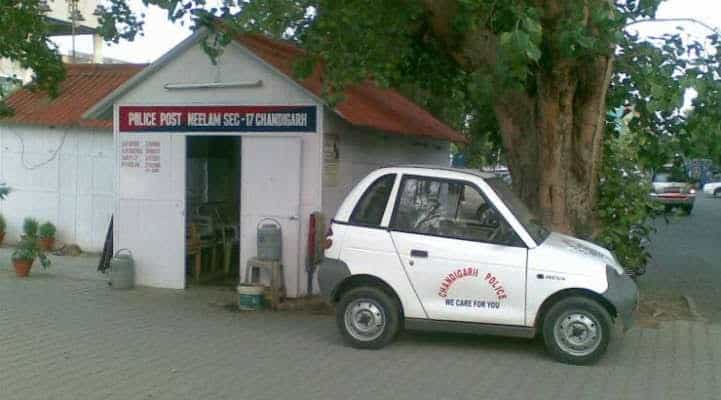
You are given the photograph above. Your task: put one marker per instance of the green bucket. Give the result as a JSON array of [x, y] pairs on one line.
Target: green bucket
[[250, 297]]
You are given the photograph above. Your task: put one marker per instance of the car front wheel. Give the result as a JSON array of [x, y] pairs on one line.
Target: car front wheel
[[576, 330], [368, 318]]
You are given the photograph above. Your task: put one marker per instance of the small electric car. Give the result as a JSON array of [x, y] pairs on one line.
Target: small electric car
[[440, 249]]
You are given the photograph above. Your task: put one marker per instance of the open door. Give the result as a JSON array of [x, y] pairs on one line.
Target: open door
[[150, 207], [270, 188]]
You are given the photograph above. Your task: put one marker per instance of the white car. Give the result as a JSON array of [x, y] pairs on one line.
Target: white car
[[713, 188], [440, 249]]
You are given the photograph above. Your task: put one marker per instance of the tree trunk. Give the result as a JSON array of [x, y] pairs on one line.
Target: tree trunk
[[552, 131], [553, 142]]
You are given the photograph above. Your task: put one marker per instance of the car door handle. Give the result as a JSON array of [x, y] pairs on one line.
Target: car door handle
[[419, 253]]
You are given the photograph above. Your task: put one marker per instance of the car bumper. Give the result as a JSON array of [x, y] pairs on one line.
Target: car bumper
[[622, 292], [673, 199]]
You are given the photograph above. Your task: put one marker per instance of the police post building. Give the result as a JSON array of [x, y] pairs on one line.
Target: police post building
[[207, 150]]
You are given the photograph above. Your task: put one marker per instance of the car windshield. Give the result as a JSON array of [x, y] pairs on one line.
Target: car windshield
[[669, 176], [525, 216]]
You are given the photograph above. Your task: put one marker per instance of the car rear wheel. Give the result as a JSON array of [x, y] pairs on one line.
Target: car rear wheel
[[368, 318], [717, 192], [576, 330]]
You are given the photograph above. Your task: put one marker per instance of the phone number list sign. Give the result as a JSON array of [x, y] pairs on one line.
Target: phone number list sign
[[217, 118]]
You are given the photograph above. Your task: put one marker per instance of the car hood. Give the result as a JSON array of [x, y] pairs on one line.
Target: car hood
[[563, 253]]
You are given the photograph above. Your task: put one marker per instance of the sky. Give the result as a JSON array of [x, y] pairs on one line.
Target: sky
[[162, 35]]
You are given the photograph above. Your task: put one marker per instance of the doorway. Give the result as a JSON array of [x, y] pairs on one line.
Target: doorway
[[212, 220]]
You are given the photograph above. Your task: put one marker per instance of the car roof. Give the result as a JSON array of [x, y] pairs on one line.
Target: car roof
[[475, 172]]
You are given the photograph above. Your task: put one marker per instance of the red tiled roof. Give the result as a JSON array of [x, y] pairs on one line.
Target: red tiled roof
[[366, 104], [84, 86]]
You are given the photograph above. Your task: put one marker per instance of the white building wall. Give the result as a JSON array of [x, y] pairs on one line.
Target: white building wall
[[361, 151], [61, 175]]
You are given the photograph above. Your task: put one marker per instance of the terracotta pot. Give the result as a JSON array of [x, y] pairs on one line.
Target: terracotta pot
[[22, 267], [2, 237], [46, 244]]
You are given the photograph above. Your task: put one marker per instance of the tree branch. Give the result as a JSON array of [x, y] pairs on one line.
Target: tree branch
[[692, 20], [471, 49]]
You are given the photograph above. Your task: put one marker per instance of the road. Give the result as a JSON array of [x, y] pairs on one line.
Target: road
[[687, 258]]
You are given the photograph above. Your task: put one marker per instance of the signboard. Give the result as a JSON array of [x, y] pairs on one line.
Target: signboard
[[217, 118], [141, 154]]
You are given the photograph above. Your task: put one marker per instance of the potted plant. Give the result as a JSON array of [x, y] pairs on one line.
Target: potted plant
[[25, 254], [30, 228], [2, 228], [46, 234]]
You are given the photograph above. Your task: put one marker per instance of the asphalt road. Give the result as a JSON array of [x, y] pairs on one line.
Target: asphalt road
[[687, 258]]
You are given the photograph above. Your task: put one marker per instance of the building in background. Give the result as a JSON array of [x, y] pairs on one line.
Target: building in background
[[69, 18]]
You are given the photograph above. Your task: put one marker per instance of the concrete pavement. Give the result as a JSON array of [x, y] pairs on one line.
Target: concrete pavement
[[65, 335]]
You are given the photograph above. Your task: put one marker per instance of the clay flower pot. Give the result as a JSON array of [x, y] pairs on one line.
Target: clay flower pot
[[46, 244], [22, 267]]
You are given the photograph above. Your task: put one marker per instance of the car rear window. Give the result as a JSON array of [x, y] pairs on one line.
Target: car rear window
[[369, 210]]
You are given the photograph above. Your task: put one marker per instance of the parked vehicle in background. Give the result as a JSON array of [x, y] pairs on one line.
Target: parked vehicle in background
[[443, 249], [713, 188], [672, 188]]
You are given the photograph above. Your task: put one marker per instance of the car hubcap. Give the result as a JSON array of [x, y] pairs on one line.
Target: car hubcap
[[364, 319], [577, 333]]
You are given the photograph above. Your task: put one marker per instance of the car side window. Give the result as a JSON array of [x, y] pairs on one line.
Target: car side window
[[371, 206], [451, 209]]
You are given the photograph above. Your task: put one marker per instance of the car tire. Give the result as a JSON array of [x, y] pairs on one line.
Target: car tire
[[717, 192], [577, 330], [368, 317]]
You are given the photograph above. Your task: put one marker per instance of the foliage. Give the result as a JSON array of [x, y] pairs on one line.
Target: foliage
[[3, 223], [28, 249], [23, 39], [30, 228], [624, 206], [47, 230]]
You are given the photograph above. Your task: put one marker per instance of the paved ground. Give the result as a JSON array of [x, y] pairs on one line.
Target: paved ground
[[65, 335], [687, 258]]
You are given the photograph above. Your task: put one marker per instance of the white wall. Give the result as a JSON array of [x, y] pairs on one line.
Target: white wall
[[74, 188], [361, 151]]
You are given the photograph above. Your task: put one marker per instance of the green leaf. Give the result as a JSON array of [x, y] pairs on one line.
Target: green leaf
[[533, 52]]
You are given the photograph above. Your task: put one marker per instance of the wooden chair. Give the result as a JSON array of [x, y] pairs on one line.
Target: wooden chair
[[194, 247]]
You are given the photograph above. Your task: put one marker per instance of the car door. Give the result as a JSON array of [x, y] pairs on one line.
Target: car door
[[463, 259]]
